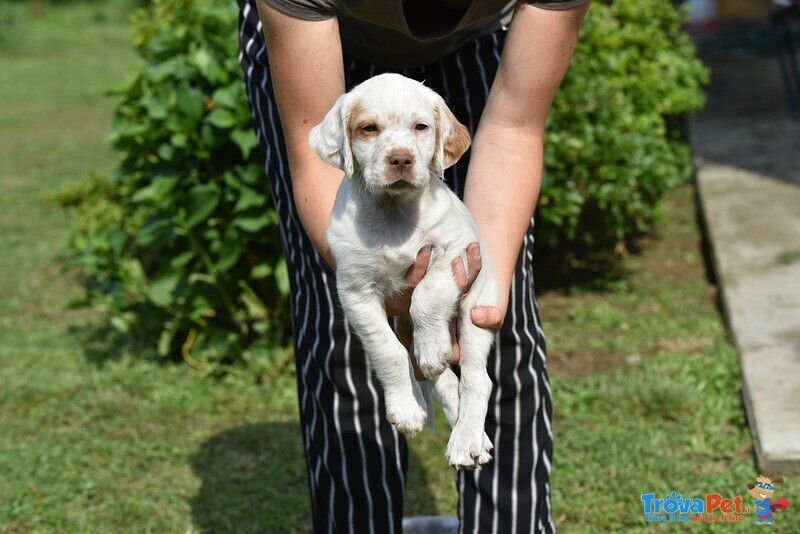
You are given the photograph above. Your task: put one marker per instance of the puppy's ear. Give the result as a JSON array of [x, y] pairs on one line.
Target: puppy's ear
[[452, 137], [330, 139]]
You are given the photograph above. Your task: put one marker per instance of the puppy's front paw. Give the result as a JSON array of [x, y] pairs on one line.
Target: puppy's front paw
[[465, 450], [433, 351], [406, 415]]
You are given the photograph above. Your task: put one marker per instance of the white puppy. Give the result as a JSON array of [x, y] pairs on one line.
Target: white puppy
[[393, 137]]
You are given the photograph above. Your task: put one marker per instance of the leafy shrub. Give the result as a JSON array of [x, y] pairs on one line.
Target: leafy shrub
[[182, 238], [610, 153]]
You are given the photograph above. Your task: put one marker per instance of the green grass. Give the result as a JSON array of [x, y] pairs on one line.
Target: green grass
[[96, 436], [92, 439], [666, 413]]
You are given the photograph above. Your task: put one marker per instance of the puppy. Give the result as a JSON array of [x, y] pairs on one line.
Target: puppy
[[393, 138]]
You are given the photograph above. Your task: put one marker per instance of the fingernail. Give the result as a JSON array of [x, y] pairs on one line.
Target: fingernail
[[426, 250], [459, 265], [476, 252], [478, 314]]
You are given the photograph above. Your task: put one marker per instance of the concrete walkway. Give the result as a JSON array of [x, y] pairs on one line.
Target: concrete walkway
[[748, 161]]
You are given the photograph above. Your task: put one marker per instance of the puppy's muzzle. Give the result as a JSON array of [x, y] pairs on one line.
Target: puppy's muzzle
[[401, 160], [400, 169]]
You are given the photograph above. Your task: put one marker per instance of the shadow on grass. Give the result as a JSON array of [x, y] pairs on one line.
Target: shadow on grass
[[254, 480], [556, 270], [707, 252], [102, 343]]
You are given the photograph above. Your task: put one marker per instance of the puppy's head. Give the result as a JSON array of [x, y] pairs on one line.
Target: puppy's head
[[391, 134]]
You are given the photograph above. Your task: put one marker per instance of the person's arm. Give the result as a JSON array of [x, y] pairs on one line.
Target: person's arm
[[505, 170], [305, 62]]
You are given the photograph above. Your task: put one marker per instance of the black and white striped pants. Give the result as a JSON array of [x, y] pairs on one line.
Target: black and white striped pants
[[356, 460]]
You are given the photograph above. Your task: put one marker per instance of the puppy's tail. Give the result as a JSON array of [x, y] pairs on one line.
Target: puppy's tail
[[427, 394]]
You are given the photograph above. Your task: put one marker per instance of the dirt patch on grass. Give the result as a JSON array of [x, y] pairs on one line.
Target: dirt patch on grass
[[563, 364], [50, 291], [602, 316], [84, 122]]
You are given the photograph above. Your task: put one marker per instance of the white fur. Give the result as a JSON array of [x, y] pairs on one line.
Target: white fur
[[394, 137]]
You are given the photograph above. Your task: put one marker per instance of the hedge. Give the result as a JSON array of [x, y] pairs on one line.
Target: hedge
[[180, 243]]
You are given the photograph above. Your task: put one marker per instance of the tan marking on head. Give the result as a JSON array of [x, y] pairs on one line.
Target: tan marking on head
[[359, 118]]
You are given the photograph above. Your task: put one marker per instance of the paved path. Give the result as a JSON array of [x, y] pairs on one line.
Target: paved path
[[748, 159]]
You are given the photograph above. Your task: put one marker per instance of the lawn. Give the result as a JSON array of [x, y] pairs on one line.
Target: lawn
[[98, 435]]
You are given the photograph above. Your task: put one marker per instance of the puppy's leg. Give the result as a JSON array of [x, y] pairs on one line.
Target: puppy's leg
[[445, 389], [469, 446], [405, 405], [433, 305]]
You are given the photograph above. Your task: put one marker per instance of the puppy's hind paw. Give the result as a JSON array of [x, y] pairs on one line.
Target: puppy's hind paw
[[486, 455], [464, 453]]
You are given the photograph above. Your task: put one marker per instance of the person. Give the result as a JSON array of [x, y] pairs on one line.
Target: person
[[297, 57]]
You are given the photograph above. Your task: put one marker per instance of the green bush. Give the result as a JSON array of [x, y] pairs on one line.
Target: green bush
[[182, 239], [611, 152], [182, 236]]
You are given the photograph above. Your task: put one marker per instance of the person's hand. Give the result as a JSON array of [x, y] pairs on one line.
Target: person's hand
[[400, 303], [489, 317]]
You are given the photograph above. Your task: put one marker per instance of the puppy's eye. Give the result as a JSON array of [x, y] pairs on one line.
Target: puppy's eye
[[421, 127], [369, 128]]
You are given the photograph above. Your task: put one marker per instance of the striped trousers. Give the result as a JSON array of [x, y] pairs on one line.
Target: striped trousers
[[356, 460]]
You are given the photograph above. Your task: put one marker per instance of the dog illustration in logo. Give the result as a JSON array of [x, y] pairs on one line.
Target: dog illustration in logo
[[762, 491]]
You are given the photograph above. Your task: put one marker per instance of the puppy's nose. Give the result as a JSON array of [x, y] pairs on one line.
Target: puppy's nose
[[401, 159]]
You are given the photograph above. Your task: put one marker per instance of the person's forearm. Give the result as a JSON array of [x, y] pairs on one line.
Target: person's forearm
[[303, 96], [315, 187], [505, 169], [505, 175]]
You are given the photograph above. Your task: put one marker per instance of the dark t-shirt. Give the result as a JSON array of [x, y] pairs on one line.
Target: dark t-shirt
[[405, 33]]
